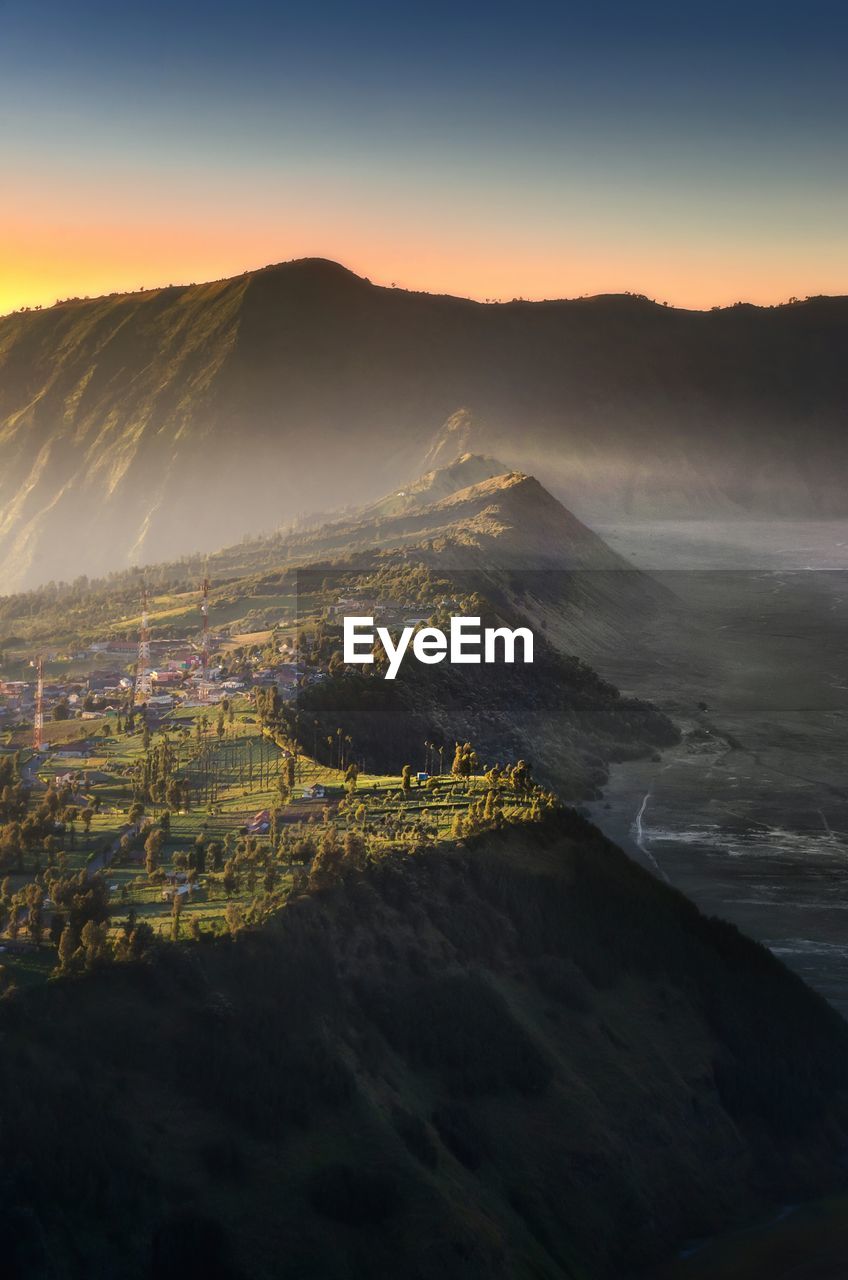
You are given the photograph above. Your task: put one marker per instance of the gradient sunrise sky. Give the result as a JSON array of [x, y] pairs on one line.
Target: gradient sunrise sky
[[693, 152]]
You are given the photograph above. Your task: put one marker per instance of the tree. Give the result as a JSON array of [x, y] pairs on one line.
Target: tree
[[464, 760], [354, 850], [230, 878], [327, 863], [233, 917], [352, 774], [153, 852], [34, 899], [303, 850], [94, 942], [57, 928], [336, 666], [520, 777], [67, 949], [176, 911]]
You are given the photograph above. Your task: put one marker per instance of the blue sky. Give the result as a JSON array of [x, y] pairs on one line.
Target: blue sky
[[693, 152]]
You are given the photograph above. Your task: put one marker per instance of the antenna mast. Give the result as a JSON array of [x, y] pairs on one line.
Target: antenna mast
[[204, 609], [38, 731], [143, 675]]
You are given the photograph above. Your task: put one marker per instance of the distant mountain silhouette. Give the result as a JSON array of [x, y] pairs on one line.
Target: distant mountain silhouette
[[460, 435], [142, 426]]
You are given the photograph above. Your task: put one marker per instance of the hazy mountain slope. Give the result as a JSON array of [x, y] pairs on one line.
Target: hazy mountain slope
[[472, 513], [504, 534], [527, 1060], [458, 470], [507, 519], [458, 436], [154, 424]]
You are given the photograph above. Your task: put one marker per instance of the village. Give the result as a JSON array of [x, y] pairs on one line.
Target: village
[[198, 666], [152, 797]]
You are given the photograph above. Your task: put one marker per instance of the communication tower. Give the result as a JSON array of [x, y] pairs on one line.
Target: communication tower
[[38, 729], [204, 653], [143, 674]]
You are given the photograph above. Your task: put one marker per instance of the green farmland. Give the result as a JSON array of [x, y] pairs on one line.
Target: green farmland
[[203, 826]]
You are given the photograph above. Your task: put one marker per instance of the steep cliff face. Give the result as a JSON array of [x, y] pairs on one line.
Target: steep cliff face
[[522, 1058], [106, 408], [144, 426]]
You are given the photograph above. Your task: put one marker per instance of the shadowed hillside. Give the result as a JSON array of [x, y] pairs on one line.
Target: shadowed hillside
[[520, 1058], [141, 427]]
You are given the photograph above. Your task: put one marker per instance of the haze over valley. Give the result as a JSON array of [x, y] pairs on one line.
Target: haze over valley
[[137, 428]]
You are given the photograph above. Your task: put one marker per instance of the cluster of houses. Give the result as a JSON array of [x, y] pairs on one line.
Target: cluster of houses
[[101, 677], [177, 675]]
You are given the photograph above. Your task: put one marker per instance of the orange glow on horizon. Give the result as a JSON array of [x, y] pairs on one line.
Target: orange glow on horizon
[[40, 264]]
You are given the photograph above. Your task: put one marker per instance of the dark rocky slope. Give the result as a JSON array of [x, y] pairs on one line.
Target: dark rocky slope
[[525, 1058]]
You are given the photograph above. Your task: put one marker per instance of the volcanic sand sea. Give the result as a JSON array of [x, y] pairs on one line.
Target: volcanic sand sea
[[749, 815]]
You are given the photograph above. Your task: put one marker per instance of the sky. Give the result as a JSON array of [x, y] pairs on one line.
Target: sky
[[692, 152]]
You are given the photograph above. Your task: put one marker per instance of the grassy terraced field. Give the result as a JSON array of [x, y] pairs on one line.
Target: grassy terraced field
[[233, 777]]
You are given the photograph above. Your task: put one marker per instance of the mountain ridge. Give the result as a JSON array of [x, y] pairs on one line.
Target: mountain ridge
[[506, 523], [137, 427], [335, 271], [508, 518]]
